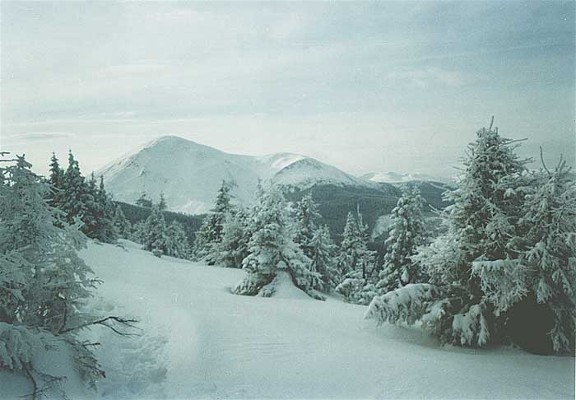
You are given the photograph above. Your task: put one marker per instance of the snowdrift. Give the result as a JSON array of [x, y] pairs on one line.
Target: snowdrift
[[200, 341]]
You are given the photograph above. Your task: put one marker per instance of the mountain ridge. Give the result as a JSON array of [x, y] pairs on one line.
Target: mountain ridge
[[189, 173]]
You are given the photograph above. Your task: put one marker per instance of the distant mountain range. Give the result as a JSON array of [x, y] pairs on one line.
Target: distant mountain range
[[395, 177], [189, 175]]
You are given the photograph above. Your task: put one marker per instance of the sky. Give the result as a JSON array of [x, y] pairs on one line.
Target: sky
[[365, 86]]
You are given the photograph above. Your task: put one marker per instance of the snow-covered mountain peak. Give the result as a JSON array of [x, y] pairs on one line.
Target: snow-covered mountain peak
[[395, 177], [189, 174]]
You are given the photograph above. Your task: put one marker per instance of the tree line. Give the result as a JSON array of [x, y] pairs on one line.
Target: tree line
[[501, 268]]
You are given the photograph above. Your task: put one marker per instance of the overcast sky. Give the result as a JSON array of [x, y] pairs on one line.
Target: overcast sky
[[365, 86]]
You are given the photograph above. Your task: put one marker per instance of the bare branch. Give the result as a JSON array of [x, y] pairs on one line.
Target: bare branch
[[122, 321], [542, 160]]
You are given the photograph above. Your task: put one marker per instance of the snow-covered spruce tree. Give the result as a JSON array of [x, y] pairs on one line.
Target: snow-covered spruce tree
[[162, 202], [235, 237], [121, 224], [314, 240], [154, 232], [176, 241], [355, 263], [43, 282], [307, 216], [209, 236], [323, 256], [56, 181], [76, 194], [272, 251], [537, 291], [484, 216], [407, 234], [105, 230]]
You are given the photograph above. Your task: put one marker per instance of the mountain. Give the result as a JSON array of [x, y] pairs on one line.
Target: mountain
[[189, 174], [395, 177]]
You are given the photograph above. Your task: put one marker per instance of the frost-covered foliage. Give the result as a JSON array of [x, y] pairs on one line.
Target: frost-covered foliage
[[154, 232], [43, 282], [306, 216], [353, 254], [355, 263], [210, 234], [407, 304], [466, 265], [272, 249], [315, 241], [235, 237], [322, 255], [159, 238], [84, 200], [544, 272], [121, 223], [407, 234], [176, 241]]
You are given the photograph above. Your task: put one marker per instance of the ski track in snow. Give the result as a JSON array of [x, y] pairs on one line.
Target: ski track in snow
[[219, 345]]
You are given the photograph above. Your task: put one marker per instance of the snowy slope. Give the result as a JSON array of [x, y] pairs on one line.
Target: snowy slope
[[190, 174], [200, 341]]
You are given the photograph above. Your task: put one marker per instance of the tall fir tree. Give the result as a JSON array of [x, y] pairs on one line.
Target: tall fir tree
[[322, 253], [487, 206], [43, 282], [355, 259], [307, 217], [154, 232], [76, 193], [234, 245], [407, 234], [121, 225], [273, 253], [56, 181], [209, 236], [176, 241], [536, 292]]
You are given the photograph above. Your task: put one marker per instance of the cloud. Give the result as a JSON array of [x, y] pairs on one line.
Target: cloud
[[41, 136], [430, 77]]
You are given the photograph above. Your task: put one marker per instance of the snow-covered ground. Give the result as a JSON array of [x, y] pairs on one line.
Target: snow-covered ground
[[201, 341]]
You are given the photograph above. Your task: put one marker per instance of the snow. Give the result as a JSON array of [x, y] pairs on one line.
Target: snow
[[190, 174], [201, 341], [396, 177]]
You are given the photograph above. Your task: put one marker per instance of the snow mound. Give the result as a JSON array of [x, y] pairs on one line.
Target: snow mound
[[284, 288]]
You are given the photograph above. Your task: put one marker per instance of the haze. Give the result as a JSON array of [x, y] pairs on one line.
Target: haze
[[364, 86]]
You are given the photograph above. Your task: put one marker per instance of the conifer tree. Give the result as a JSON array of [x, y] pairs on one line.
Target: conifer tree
[[56, 181], [76, 192], [209, 236], [105, 230], [177, 241], [487, 205], [272, 251], [43, 282], [322, 254], [121, 225], [234, 245], [354, 259], [154, 232], [407, 234], [537, 291], [162, 202], [307, 217]]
